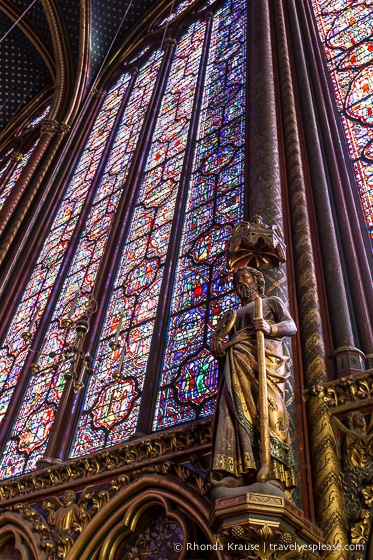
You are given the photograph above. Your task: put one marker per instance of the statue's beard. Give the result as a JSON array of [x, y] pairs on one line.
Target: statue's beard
[[248, 292]]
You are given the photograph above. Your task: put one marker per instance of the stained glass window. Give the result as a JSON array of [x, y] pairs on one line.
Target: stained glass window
[[35, 421], [37, 119], [4, 168], [176, 10], [190, 377], [111, 408], [22, 450], [9, 185], [188, 190], [345, 29]]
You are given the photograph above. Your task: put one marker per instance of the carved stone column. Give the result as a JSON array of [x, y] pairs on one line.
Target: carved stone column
[[265, 175]]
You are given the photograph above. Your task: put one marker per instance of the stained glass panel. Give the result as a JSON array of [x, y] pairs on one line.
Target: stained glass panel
[[14, 350], [202, 290], [111, 406], [4, 168], [176, 10], [345, 29], [8, 187], [37, 119]]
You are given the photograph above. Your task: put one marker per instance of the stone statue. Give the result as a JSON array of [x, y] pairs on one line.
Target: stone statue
[[357, 449], [236, 458], [63, 515]]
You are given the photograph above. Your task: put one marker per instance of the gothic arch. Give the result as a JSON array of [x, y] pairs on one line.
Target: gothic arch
[[118, 519], [27, 541]]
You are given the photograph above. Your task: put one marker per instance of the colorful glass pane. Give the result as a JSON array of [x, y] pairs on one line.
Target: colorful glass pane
[[8, 187], [35, 417], [176, 10], [111, 406], [38, 119], [202, 289], [345, 29], [4, 168]]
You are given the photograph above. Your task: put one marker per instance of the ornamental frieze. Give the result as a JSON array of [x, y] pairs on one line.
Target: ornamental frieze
[[159, 447]]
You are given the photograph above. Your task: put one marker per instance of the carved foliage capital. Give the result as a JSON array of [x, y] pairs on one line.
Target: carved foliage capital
[[50, 126], [263, 543]]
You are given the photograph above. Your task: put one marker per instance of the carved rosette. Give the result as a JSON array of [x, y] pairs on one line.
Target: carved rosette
[[255, 244]]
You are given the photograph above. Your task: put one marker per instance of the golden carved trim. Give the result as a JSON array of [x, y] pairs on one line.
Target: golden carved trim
[[167, 490], [123, 458], [27, 539], [65, 520], [348, 393], [263, 543]]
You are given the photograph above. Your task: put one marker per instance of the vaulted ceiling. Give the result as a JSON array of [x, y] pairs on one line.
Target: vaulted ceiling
[[48, 43]]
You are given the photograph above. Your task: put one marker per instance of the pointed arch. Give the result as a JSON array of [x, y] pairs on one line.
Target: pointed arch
[[178, 500]]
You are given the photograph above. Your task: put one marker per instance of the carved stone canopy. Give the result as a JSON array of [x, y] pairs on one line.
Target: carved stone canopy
[[255, 243]]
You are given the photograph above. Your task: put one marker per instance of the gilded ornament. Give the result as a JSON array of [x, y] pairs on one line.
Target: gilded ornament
[[126, 456], [360, 532], [358, 440], [255, 243]]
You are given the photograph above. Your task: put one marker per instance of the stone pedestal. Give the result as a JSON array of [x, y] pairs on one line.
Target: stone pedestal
[[267, 526]]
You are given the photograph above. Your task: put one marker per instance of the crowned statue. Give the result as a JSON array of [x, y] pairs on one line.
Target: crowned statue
[[251, 420]]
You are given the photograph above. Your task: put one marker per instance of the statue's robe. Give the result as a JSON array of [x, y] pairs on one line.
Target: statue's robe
[[236, 425]]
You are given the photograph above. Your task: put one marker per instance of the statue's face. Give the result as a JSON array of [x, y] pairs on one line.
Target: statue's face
[[69, 497], [245, 284], [358, 421]]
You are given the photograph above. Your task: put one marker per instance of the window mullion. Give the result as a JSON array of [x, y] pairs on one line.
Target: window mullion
[[160, 326]]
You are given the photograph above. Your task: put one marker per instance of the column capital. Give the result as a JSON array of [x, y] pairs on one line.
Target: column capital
[[49, 126]]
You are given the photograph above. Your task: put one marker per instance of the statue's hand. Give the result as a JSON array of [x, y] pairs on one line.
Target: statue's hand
[[261, 325], [217, 349]]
